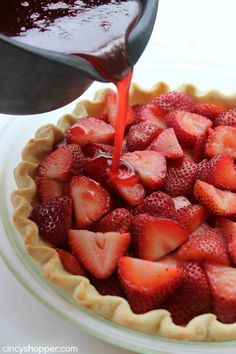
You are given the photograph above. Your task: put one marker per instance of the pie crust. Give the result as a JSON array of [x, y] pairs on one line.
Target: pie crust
[[157, 322]]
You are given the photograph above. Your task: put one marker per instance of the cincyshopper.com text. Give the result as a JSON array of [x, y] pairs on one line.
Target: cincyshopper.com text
[[39, 349]]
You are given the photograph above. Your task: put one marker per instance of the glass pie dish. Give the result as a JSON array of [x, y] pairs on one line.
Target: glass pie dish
[[28, 272]]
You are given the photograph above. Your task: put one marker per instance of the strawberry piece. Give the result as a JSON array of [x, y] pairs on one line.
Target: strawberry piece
[[111, 109], [155, 237], [98, 168], [150, 114], [219, 171], [118, 220], [188, 126], [157, 204], [208, 110], [71, 263], [192, 298], [200, 147], [173, 100], [223, 289], [147, 284], [204, 245], [141, 135], [99, 252], [90, 130], [181, 202], [228, 229], [48, 188], [191, 217], [218, 202], [226, 118], [167, 144], [62, 163], [53, 219], [91, 200], [110, 286], [180, 179], [221, 140], [94, 149], [150, 165]]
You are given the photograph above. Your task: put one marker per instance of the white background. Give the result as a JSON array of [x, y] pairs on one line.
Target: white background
[[198, 31]]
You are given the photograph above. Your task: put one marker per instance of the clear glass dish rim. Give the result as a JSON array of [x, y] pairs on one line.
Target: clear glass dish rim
[[109, 331]]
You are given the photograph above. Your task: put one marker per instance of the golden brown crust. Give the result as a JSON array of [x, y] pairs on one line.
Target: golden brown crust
[[116, 309]]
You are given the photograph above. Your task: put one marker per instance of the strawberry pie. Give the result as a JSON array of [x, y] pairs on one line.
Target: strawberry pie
[[151, 246]]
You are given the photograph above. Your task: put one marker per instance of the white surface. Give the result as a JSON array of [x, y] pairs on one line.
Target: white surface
[[200, 32]]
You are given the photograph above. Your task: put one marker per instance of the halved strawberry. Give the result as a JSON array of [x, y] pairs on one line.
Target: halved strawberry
[[110, 286], [150, 165], [154, 237], [91, 200], [204, 245], [150, 114], [222, 282], [90, 130], [226, 118], [147, 284], [157, 204], [93, 149], [111, 109], [141, 135], [218, 202], [181, 202], [208, 110], [192, 298], [99, 252], [180, 179], [228, 229], [62, 163], [118, 220], [188, 126], [219, 171], [71, 263], [173, 100], [167, 144], [191, 217], [221, 140], [53, 219], [48, 188]]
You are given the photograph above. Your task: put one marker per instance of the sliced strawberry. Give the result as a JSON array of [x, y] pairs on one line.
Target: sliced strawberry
[[227, 118], [118, 220], [53, 219], [94, 149], [228, 229], [98, 168], [200, 147], [208, 110], [111, 109], [141, 135], [99, 252], [191, 217], [173, 100], [167, 144], [222, 282], [147, 284], [204, 245], [110, 286], [90, 130], [150, 165], [218, 202], [150, 114], [48, 188], [181, 202], [91, 200], [71, 263], [180, 180], [192, 298], [221, 140], [155, 237], [188, 126], [62, 163], [157, 204], [219, 171]]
